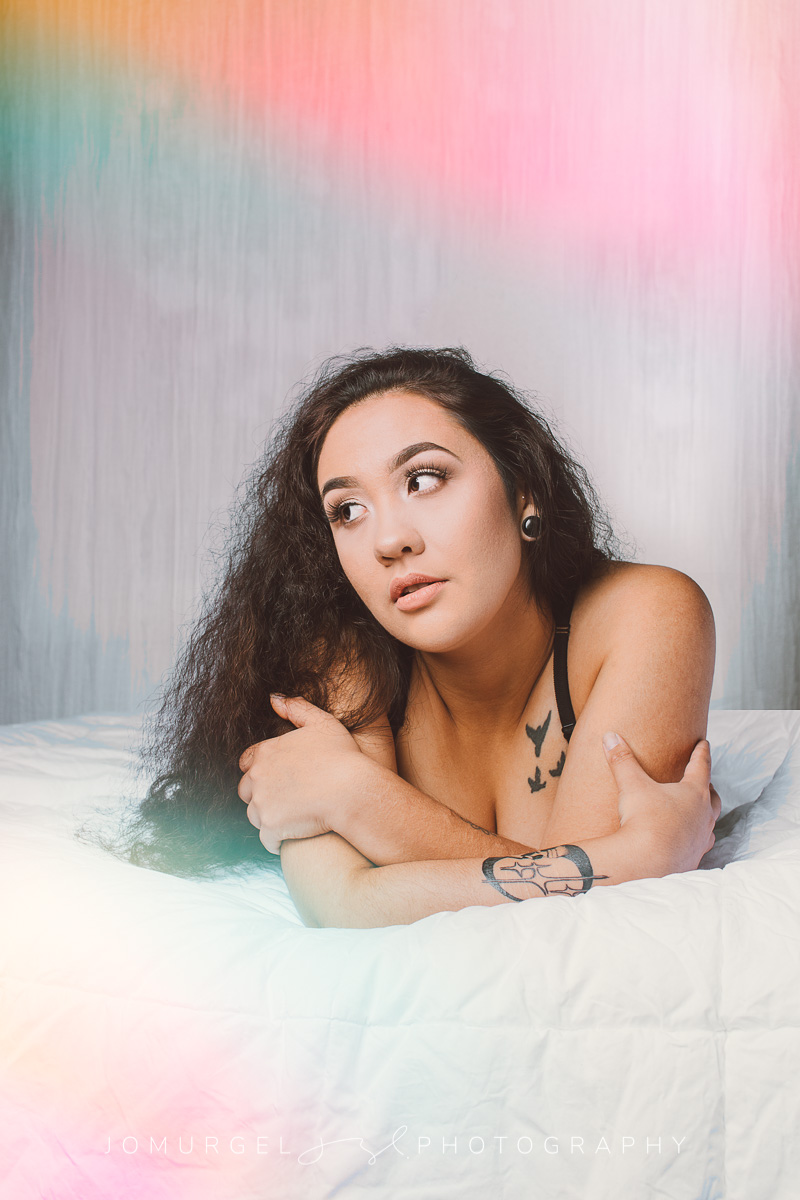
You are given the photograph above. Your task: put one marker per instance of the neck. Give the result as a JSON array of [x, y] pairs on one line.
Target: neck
[[485, 685]]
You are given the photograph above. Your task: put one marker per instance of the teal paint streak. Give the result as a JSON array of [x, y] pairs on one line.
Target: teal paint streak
[[57, 101]]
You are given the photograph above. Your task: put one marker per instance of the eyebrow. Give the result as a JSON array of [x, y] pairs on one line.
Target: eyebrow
[[349, 481]]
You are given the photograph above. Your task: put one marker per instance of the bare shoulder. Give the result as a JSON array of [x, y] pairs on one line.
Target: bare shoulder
[[636, 609], [643, 590]]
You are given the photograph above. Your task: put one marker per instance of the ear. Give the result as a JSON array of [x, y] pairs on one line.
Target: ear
[[525, 505]]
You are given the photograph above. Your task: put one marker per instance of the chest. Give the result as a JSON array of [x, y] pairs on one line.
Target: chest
[[507, 787]]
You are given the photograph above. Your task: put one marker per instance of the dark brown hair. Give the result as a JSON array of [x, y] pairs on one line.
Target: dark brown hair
[[283, 616]]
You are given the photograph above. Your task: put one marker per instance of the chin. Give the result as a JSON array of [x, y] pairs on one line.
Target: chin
[[443, 627], [438, 636]]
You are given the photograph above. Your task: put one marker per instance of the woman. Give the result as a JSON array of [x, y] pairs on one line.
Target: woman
[[416, 554]]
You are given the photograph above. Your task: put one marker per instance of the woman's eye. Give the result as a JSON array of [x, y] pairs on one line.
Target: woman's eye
[[345, 511], [424, 481]]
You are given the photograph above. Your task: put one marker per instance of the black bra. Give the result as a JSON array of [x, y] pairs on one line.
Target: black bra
[[565, 711]]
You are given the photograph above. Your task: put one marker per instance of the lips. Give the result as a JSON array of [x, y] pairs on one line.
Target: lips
[[410, 584], [419, 597]]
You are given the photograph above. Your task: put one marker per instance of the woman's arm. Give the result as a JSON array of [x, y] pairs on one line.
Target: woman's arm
[[313, 780], [391, 821], [665, 828], [346, 892], [653, 686], [332, 884]]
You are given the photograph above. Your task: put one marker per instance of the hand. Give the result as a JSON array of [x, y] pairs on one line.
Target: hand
[[676, 820], [292, 783]]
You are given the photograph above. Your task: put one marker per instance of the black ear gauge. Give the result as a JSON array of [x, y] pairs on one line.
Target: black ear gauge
[[532, 527]]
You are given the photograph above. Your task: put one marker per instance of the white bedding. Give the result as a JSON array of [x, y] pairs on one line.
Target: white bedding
[[523, 1050]]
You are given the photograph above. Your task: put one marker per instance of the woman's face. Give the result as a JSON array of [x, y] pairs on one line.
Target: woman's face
[[408, 491]]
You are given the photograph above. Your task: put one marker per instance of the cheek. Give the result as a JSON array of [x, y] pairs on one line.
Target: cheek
[[347, 560], [357, 563], [493, 531]]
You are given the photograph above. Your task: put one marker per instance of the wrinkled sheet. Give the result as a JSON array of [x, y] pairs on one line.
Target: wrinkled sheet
[[163, 1037]]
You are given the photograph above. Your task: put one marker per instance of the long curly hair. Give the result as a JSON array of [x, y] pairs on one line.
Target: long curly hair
[[283, 617]]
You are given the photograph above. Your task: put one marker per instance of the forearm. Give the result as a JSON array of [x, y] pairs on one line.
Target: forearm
[[347, 892], [321, 874], [391, 822]]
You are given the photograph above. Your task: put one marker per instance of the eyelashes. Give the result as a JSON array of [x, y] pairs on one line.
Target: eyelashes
[[425, 469], [335, 512]]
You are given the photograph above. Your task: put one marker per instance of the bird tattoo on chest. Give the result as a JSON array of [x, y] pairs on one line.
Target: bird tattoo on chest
[[537, 734]]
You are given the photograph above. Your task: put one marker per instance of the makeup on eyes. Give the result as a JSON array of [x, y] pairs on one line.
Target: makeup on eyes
[[334, 511]]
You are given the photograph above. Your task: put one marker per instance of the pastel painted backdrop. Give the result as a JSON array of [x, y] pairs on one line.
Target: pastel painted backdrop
[[202, 198]]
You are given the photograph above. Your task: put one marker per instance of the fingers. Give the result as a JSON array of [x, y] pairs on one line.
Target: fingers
[[716, 803], [623, 762], [698, 767], [299, 711], [268, 840], [246, 760]]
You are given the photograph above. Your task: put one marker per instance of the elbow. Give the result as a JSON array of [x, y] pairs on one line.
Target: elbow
[[343, 921], [309, 916], [345, 908]]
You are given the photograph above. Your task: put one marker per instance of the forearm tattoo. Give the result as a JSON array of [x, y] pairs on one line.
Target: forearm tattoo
[[558, 871]]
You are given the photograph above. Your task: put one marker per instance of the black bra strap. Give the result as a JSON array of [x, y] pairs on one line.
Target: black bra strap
[[566, 712]]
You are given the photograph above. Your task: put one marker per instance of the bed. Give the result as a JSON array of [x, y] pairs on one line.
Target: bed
[[164, 1037]]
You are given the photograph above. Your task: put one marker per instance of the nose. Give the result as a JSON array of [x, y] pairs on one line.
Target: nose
[[395, 537]]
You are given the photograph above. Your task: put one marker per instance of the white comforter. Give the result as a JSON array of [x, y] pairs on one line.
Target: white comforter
[[167, 1038]]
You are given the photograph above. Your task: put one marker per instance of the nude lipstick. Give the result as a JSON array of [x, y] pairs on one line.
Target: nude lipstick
[[410, 592]]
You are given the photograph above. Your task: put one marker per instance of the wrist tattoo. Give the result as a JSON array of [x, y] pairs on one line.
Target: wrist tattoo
[[557, 871]]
